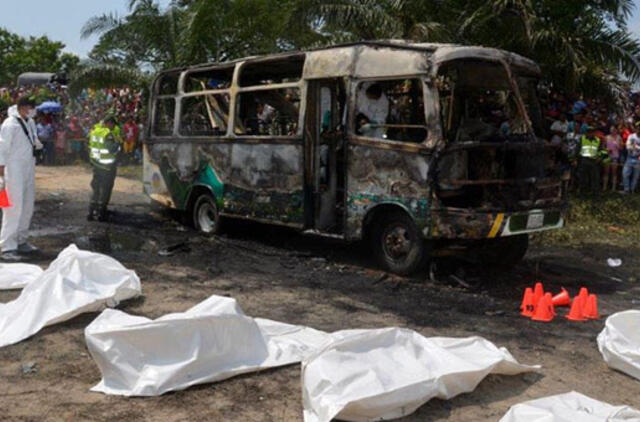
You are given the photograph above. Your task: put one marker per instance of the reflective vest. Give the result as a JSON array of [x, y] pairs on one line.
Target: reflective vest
[[99, 152], [589, 147]]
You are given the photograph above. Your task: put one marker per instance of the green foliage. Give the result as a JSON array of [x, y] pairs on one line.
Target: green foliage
[[611, 218], [194, 31], [582, 45], [99, 76], [35, 54]]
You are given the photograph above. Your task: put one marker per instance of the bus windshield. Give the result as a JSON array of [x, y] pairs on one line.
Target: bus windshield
[[478, 103]]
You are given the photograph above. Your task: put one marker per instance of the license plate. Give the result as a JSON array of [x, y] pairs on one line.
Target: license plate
[[535, 221]]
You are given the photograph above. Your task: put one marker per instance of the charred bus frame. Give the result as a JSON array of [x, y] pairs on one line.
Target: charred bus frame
[[314, 169]]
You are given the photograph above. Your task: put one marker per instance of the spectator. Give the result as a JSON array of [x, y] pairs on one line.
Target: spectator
[[559, 129], [131, 133], [610, 170], [631, 171], [46, 135], [60, 144]]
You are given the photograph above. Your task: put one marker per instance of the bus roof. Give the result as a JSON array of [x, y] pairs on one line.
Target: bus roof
[[382, 58]]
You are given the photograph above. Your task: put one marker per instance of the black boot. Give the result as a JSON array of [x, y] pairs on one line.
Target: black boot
[[103, 215], [92, 213]]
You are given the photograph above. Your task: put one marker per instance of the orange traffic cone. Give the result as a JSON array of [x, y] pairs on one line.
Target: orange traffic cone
[[590, 311], [583, 296], [575, 314], [544, 310], [538, 292], [4, 199], [562, 298], [527, 307]]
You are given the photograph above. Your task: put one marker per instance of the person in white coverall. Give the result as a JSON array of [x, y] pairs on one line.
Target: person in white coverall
[[18, 144]]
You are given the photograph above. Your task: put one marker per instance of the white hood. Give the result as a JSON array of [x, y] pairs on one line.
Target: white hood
[[13, 111]]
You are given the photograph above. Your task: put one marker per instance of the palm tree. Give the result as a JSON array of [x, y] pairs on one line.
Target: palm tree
[[582, 46], [378, 19], [147, 36]]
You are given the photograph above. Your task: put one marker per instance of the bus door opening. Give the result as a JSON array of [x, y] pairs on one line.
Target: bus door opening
[[326, 155]]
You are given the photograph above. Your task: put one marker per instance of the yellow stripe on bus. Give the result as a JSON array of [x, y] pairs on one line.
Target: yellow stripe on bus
[[496, 225]]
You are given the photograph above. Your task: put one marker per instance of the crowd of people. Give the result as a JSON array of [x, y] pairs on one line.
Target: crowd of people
[[65, 132], [603, 147]]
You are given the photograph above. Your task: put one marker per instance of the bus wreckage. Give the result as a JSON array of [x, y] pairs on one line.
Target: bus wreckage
[[419, 148]]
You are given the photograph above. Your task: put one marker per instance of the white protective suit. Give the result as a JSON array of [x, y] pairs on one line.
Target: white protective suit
[[16, 154]]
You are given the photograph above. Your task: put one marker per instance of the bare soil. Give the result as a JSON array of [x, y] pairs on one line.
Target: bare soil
[[279, 274]]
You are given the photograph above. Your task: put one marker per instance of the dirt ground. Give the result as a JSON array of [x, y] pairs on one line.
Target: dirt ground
[[278, 274]]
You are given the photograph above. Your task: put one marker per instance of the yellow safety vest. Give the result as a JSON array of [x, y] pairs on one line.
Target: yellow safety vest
[[99, 152], [589, 147]]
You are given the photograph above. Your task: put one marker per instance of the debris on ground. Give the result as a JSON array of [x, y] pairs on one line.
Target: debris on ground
[[619, 342], [568, 407], [210, 342], [614, 262], [367, 375], [76, 282], [174, 249], [616, 229], [29, 368]]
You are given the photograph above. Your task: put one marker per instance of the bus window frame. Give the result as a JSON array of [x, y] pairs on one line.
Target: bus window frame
[[204, 94], [300, 85], [153, 101], [355, 138], [185, 74]]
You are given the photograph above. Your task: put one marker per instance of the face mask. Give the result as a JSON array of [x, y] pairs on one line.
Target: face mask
[[31, 114]]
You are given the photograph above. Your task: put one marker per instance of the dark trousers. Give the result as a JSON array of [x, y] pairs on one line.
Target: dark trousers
[[102, 185], [48, 152], [589, 174]]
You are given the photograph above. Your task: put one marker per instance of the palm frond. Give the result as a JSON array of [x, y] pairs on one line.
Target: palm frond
[[106, 76], [100, 24]]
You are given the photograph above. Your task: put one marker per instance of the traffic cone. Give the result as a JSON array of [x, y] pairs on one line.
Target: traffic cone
[[575, 313], [590, 311], [562, 298], [4, 199], [544, 310], [527, 307], [538, 292], [583, 296]]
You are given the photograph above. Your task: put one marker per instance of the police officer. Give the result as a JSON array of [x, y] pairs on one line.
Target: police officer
[[591, 157], [104, 145]]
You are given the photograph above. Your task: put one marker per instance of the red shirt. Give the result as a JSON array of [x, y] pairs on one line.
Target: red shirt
[[131, 131]]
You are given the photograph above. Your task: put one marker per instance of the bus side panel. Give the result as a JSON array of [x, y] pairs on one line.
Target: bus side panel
[[154, 182], [258, 181], [386, 176], [169, 170], [265, 182]]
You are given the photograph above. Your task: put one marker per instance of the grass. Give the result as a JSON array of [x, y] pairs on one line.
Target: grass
[[610, 218]]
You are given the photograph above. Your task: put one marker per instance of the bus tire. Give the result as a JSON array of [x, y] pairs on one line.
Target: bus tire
[[206, 217], [397, 245]]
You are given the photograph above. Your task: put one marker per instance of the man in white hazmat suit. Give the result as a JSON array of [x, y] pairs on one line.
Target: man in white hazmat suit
[[18, 144]]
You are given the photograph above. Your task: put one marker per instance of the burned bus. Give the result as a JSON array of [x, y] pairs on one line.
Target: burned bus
[[418, 148]]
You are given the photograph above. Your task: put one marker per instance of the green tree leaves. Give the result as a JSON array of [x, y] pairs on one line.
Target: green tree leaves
[[35, 54], [582, 45]]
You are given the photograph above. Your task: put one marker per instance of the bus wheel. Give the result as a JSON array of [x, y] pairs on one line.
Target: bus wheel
[[397, 245], [206, 218]]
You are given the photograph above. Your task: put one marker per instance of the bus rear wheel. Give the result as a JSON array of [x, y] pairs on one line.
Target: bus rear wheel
[[206, 218], [397, 245]]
